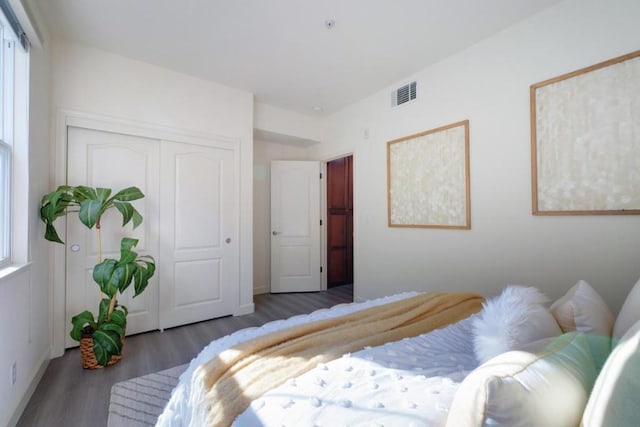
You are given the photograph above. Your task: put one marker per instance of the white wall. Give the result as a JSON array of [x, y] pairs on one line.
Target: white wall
[[489, 85], [25, 331], [97, 82], [263, 153], [279, 121]]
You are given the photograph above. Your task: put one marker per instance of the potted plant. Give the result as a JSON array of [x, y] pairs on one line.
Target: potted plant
[[101, 338]]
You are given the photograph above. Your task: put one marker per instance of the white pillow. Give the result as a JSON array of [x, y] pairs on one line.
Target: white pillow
[[582, 309], [629, 313], [511, 320], [614, 400], [519, 388]]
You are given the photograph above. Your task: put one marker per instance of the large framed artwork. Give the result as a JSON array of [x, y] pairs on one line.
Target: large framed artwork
[[585, 140], [428, 179]]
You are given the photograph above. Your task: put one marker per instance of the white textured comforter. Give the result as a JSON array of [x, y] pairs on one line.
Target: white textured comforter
[[409, 382]]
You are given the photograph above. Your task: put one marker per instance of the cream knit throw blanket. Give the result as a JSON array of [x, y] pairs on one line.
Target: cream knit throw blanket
[[230, 381]]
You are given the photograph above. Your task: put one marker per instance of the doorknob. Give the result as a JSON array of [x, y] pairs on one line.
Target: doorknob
[[275, 233], [228, 240]]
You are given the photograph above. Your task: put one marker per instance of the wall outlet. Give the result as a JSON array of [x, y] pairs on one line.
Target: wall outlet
[[13, 374]]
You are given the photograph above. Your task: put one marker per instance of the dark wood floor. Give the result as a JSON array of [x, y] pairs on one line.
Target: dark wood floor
[[71, 396]]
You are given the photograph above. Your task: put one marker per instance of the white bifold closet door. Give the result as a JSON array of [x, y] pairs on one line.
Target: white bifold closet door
[[189, 226]]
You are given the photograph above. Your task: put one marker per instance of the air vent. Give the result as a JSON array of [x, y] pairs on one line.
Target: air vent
[[404, 94]]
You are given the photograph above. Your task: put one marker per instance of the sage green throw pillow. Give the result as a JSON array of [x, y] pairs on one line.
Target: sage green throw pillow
[[615, 398], [521, 388]]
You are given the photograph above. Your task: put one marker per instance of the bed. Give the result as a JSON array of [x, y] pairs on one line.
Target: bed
[[507, 360]]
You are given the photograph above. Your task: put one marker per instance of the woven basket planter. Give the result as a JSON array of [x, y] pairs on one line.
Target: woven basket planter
[[88, 356]]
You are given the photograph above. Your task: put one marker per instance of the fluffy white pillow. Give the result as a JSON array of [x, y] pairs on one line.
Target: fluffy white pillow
[[519, 388], [582, 309], [511, 320], [629, 313], [614, 400]]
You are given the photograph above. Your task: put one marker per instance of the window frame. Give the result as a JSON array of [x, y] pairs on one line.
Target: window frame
[[14, 101], [5, 203]]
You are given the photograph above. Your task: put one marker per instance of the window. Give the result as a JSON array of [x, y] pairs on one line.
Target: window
[[13, 133]]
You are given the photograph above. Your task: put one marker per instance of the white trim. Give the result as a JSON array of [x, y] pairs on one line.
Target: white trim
[[337, 155], [323, 229], [57, 253], [20, 201], [142, 129], [244, 309], [5, 205], [12, 270], [66, 118], [15, 135], [7, 90], [9, 86]]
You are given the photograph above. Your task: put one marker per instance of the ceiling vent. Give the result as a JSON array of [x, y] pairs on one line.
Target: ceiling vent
[[404, 94]]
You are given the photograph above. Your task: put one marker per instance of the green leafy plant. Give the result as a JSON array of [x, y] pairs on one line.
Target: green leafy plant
[[112, 276]]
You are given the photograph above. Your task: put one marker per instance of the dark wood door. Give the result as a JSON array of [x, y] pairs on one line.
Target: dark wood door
[[340, 221]]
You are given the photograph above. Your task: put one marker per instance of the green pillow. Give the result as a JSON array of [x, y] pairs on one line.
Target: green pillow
[[614, 400], [520, 388]]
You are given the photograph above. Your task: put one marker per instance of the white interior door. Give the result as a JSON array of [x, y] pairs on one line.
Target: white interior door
[[295, 226], [199, 250], [104, 159]]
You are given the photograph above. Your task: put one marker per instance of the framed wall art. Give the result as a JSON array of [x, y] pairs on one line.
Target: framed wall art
[[428, 179], [585, 140]]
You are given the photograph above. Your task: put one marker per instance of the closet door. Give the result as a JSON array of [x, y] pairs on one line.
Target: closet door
[[105, 159], [199, 226]]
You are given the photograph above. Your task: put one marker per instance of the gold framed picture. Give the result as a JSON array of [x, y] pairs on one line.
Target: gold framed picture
[[585, 140], [428, 179]]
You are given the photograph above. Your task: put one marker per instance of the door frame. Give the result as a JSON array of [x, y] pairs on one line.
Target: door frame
[[323, 217], [57, 259]]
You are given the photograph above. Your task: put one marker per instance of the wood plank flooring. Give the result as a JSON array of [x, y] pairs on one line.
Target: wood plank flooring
[[70, 396]]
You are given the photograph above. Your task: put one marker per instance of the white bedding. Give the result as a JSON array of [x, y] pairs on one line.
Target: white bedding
[[406, 383], [415, 381], [181, 411]]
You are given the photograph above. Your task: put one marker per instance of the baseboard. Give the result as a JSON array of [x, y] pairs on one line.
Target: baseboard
[[244, 309], [35, 380], [261, 290]]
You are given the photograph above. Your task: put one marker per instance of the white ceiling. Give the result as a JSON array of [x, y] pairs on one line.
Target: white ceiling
[[280, 49]]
